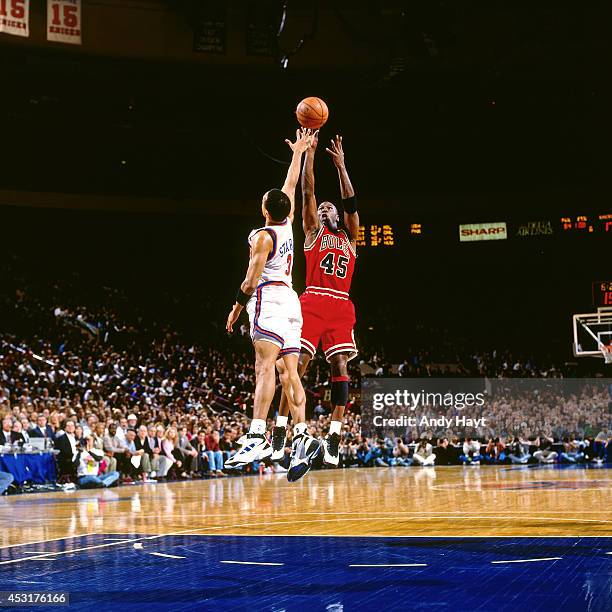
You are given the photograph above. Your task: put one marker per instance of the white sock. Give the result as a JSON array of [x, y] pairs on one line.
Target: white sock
[[299, 429], [335, 427], [281, 421], [258, 426]]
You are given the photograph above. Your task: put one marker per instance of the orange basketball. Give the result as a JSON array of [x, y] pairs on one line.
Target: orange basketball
[[312, 113]]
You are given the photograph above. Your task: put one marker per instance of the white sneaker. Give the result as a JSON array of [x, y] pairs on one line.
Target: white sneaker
[[331, 444], [303, 450], [153, 474], [254, 447], [279, 469]]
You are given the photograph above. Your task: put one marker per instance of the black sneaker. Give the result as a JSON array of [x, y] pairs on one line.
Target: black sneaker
[[279, 438], [330, 446]]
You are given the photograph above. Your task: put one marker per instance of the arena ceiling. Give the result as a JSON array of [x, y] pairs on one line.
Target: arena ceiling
[[439, 102]]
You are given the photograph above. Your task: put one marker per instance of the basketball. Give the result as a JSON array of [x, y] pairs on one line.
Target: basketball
[[312, 113]]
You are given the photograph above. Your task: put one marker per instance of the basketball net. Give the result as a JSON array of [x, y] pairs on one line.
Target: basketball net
[[607, 352]]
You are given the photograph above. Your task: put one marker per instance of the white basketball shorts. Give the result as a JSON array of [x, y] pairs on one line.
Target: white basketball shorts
[[276, 316]]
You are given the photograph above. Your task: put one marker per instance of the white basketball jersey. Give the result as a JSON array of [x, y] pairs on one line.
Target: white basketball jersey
[[279, 266]]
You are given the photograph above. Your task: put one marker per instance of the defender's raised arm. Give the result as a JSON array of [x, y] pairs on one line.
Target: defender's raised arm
[[303, 138]]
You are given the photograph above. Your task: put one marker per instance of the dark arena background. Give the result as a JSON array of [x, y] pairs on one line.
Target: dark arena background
[[138, 138]]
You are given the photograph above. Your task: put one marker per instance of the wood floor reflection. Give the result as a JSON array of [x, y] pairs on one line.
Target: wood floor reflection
[[451, 501]]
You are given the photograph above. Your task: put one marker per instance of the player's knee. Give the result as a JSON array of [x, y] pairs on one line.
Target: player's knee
[[264, 367], [339, 365]]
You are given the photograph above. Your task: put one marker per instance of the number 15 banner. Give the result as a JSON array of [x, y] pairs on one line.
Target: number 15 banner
[[64, 21], [15, 17]]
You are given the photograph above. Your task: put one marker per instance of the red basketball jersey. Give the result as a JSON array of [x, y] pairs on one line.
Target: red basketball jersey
[[330, 262]]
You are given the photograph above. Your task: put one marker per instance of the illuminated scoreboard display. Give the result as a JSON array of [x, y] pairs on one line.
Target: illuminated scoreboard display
[[602, 293], [587, 224], [375, 236], [386, 235]]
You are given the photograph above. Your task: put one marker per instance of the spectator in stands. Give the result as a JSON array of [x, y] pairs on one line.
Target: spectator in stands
[[519, 451], [149, 461], [6, 434], [214, 454], [115, 447], [190, 454], [42, 429], [571, 451], [423, 453], [172, 453], [67, 460], [88, 470], [402, 453], [18, 435], [471, 452], [546, 454], [495, 451]]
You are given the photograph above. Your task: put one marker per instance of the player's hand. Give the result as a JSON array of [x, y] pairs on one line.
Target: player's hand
[[337, 152], [303, 140], [315, 139], [232, 318]]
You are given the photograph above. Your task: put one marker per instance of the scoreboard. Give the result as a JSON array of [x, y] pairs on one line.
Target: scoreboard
[[602, 293]]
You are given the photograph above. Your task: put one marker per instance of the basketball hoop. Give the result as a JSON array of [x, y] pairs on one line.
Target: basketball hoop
[[607, 352]]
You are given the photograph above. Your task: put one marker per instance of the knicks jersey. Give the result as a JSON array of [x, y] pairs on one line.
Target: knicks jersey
[[279, 265], [330, 262]]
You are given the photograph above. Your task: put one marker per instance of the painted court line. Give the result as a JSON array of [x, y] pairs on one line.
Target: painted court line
[[250, 563], [529, 560], [78, 535], [388, 565], [165, 555]]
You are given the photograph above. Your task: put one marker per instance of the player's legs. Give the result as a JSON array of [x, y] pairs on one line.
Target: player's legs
[[279, 433], [339, 399], [254, 444], [338, 343], [304, 447]]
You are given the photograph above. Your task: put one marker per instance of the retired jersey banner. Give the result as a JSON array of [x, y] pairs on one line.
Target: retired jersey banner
[[483, 231], [64, 21], [15, 17]]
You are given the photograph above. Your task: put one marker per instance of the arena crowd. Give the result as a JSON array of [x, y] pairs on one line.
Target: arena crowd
[[124, 396]]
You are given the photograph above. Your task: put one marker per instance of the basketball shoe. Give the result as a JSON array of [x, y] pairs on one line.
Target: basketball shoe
[[331, 444], [254, 447], [279, 438], [303, 450]]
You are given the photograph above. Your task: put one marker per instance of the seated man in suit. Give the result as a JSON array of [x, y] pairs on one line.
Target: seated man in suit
[[19, 436], [42, 429], [68, 458], [6, 433]]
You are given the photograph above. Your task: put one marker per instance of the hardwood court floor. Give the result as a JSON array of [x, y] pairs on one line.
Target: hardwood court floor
[[443, 501]]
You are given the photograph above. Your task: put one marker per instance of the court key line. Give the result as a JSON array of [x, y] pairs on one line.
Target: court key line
[[79, 535], [529, 560], [158, 554], [250, 563], [388, 565]]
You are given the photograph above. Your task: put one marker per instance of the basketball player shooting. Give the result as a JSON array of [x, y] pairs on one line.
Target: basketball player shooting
[[276, 322], [327, 310]]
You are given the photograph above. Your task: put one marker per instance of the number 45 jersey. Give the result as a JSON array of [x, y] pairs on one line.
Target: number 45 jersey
[[327, 310]]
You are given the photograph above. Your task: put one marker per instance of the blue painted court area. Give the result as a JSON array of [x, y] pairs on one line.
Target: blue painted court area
[[190, 572]]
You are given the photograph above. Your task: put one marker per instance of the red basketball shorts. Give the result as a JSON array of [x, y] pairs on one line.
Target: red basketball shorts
[[330, 321]]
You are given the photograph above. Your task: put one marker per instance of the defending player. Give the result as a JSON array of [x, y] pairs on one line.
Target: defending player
[[276, 321], [327, 310]]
